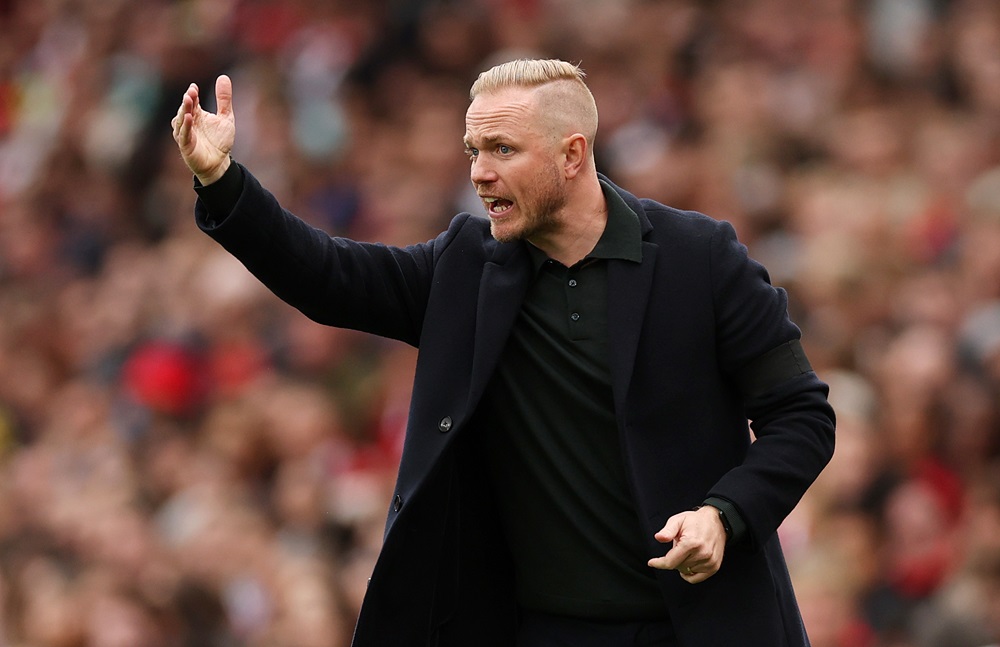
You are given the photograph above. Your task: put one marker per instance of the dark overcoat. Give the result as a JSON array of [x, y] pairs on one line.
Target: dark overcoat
[[696, 332]]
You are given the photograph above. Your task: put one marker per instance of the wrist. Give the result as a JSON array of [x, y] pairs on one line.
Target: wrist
[[210, 177], [721, 519], [730, 517]]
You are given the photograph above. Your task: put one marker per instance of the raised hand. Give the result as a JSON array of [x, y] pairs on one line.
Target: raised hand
[[204, 138]]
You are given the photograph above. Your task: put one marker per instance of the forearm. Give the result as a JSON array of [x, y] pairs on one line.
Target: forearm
[[335, 281], [794, 440]]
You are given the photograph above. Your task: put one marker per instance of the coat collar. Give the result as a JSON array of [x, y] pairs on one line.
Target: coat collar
[[633, 203], [505, 280], [629, 291]]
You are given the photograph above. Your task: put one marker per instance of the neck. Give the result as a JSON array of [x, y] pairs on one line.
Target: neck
[[581, 224]]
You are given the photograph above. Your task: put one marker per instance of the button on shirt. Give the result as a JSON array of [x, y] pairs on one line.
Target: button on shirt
[[553, 445]]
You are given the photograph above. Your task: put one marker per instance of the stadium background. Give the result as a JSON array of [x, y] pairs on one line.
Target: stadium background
[[184, 461]]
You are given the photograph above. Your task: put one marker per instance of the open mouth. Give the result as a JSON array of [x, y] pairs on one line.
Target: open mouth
[[497, 206]]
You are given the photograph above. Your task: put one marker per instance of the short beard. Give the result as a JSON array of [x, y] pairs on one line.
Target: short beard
[[540, 209]]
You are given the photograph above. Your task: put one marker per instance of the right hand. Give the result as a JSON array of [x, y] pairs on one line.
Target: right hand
[[203, 138]]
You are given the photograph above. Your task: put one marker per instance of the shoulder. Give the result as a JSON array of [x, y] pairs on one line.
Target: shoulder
[[662, 222], [666, 220]]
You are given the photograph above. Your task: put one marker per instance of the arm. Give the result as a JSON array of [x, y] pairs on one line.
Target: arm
[[335, 281], [759, 353]]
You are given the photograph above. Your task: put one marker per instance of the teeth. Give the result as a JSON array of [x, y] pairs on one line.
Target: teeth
[[495, 205]]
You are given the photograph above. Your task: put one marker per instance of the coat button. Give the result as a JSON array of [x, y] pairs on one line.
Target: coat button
[[445, 424], [397, 503]]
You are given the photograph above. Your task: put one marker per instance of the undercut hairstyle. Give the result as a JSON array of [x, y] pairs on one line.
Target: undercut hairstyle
[[569, 100], [526, 73]]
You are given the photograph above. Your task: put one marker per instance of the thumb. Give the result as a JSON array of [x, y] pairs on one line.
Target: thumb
[[669, 531], [224, 95]]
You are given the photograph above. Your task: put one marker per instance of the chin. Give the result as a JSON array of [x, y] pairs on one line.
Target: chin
[[504, 232]]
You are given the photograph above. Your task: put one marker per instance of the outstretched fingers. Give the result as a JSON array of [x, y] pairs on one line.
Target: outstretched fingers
[[181, 123]]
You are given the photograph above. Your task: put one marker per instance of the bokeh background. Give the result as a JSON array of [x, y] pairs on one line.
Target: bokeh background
[[185, 461]]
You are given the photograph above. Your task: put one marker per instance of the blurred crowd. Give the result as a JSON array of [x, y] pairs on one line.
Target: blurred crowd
[[187, 462]]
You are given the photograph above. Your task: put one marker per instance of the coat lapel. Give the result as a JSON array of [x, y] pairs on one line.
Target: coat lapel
[[502, 288], [629, 288]]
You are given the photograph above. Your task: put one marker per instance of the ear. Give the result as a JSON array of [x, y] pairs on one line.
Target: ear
[[575, 150]]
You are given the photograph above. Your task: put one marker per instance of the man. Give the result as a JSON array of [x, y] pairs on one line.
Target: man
[[577, 467]]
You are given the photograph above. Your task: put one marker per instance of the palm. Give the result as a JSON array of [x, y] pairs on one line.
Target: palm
[[212, 138], [205, 138]]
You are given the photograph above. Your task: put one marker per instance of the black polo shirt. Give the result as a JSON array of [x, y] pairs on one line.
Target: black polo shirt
[[553, 444]]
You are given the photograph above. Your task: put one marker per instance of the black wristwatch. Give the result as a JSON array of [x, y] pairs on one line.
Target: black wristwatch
[[725, 523]]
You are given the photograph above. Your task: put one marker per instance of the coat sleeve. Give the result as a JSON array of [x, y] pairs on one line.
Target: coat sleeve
[[335, 281], [785, 401]]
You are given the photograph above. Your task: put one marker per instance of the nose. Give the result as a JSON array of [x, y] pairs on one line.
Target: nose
[[481, 172]]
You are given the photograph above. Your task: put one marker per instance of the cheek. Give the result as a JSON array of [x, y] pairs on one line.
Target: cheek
[[525, 171]]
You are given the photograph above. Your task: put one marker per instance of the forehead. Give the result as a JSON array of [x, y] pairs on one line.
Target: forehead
[[510, 112]]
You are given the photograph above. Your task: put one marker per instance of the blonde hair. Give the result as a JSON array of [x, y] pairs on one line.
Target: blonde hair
[[526, 73], [569, 98]]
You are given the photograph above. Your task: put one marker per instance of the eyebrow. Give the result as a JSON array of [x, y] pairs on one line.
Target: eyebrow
[[487, 140]]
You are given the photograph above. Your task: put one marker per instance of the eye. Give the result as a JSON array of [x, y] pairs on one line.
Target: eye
[[471, 153], [503, 149]]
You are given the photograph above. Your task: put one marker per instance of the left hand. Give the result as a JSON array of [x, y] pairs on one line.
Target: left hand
[[699, 541]]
